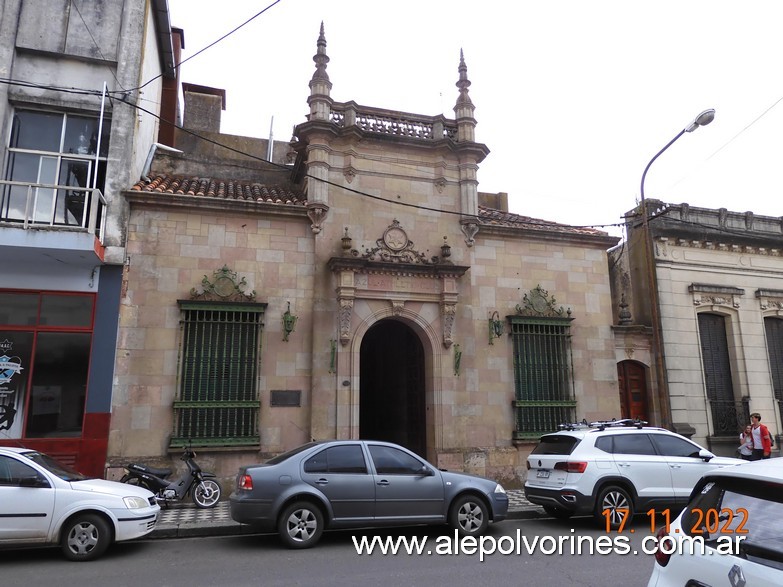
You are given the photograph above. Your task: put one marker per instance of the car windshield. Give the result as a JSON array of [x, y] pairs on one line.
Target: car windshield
[[556, 444], [54, 467], [287, 455]]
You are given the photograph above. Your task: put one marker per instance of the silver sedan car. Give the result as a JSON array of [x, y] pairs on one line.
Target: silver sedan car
[[360, 484]]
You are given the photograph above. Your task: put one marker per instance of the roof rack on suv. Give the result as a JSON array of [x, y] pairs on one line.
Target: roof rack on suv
[[574, 425], [603, 424]]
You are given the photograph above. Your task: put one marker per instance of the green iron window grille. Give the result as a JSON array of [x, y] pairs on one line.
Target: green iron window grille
[[543, 375], [217, 402]]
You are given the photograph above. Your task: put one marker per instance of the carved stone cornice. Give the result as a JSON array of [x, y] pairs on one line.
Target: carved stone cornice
[[402, 269], [705, 294], [770, 299]]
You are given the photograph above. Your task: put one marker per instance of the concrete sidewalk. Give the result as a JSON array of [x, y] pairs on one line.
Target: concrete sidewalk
[[186, 520]]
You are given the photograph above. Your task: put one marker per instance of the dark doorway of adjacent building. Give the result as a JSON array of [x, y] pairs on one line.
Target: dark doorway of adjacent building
[[633, 390], [392, 406]]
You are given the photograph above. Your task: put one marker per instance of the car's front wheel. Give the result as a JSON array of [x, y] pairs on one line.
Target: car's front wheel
[[614, 505], [469, 516], [85, 537], [300, 525]]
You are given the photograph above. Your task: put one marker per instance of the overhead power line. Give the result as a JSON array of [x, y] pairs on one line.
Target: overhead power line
[[212, 44]]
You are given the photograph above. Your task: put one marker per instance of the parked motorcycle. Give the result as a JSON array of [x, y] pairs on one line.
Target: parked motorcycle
[[201, 486]]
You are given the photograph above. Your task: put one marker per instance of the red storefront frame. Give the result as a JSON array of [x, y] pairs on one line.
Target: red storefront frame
[[86, 451]]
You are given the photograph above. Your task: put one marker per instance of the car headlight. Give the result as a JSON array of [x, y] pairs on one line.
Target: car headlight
[[135, 503], [499, 488]]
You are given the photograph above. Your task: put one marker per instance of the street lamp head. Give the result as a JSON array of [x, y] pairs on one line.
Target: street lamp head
[[702, 119]]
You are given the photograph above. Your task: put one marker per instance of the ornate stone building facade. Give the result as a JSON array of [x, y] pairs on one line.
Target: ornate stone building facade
[[719, 276], [360, 285]]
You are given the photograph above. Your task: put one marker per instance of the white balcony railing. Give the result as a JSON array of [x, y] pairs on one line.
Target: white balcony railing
[[58, 207]]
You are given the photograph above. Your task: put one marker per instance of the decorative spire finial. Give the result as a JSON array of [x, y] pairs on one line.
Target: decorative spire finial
[[464, 83], [321, 58]]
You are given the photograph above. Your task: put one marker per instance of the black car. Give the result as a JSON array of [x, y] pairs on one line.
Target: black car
[[358, 483]]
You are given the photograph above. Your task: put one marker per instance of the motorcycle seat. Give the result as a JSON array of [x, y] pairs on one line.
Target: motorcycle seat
[[150, 470]]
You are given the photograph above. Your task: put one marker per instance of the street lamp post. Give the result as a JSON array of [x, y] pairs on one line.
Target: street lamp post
[[702, 119]]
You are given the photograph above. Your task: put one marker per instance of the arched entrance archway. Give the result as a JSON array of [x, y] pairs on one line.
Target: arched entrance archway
[[391, 388], [632, 378]]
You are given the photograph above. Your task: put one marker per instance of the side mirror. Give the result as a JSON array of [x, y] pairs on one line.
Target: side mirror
[[706, 455], [33, 481], [425, 471]]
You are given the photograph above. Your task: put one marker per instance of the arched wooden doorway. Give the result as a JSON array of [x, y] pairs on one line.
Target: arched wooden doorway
[[391, 400], [632, 377]]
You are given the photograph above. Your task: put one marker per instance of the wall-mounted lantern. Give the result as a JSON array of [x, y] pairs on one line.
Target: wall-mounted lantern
[[289, 322], [495, 327]]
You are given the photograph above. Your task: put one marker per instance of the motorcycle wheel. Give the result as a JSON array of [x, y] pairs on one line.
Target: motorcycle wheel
[[130, 480], [206, 494]]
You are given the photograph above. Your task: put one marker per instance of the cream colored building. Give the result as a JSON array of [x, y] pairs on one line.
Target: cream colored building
[[359, 287], [720, 291]]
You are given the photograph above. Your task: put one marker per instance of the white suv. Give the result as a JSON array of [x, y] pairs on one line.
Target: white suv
[[620, 466], [737, 507]]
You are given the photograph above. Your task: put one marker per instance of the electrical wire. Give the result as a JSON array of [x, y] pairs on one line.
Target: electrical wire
[[212, 44], [94, 42]]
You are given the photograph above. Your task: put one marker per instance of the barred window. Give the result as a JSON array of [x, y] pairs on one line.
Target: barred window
[[727, 416], [217, 402], [773, 327], [543, 375]]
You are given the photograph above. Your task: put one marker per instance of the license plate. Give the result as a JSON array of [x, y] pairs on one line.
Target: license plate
[[542, 473]]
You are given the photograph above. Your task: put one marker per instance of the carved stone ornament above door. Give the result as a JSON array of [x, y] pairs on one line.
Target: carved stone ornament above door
[[395, 271]]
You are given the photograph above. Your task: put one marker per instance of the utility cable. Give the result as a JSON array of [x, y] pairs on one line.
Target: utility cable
[[212, 44], [94, 42]]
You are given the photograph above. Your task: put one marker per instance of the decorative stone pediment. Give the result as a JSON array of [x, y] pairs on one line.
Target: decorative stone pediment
[[223, 287], [538, 303], [394, 246], [770, 299], [395, 270]]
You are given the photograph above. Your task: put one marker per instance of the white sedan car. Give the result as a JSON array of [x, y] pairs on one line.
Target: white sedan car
[[43, 502]]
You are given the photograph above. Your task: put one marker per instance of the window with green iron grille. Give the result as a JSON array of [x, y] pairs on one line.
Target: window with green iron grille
[[217, 401], [543, 375]]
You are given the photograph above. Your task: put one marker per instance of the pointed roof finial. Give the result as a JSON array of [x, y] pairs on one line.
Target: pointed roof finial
[[321, 58], [464, 83]]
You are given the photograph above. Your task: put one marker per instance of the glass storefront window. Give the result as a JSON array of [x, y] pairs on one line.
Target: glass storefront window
[[59, 386], [60, 310], [45, 344], [19, 309]]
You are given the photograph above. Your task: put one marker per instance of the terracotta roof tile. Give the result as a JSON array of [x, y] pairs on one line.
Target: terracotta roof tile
[[230, 189], [495, 217]]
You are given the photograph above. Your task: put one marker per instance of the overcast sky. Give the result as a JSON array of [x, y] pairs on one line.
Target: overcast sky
[[573, 97]]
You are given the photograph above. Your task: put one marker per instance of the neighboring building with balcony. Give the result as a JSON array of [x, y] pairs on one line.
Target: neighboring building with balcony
[[720, 291], [361, 288], [72, 140]]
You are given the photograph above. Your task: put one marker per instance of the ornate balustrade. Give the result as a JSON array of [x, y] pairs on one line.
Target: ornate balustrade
[[388, 122]]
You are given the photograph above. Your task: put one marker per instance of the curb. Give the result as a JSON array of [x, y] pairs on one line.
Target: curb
[[231, 528]]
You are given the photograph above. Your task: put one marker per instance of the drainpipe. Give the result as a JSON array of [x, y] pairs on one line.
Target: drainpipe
[[148, 163]]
